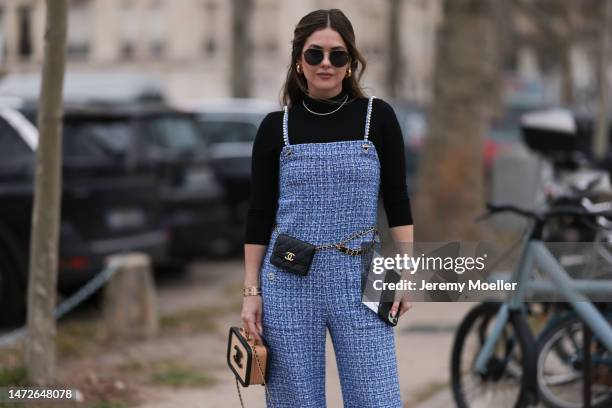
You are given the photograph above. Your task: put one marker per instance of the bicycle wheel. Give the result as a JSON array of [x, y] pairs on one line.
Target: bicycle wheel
[[506, 382], [559, 366]]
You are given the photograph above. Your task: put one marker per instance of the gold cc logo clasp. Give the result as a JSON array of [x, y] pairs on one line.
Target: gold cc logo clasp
[[290, 256], [238, 356]]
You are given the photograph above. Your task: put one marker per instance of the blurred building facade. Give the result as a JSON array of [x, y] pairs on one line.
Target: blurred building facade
[[187, 43]]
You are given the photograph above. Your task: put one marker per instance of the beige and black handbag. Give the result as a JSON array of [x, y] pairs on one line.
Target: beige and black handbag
[[247, 359]]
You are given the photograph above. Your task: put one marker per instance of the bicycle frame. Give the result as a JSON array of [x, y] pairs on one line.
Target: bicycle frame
[[566, 286], [536, 253]]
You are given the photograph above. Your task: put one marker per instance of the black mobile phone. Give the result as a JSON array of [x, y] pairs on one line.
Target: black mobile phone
[[386, 298], [384, 312]]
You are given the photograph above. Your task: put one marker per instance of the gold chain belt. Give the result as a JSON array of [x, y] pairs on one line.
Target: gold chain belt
[[340, 246]]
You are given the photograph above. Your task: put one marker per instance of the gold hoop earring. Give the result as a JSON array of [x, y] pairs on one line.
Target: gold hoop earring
[[348, 73], [297, 68]]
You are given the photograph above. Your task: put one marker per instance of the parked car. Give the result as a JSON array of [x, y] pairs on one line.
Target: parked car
[[166, 143], [229, 127], [107, 207]]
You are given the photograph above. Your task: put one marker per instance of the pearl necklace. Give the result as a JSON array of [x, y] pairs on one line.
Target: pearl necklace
[[328, 113]]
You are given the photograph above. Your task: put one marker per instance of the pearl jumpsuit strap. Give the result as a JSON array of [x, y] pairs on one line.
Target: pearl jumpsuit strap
[[285, 128], [366, 144], [368, 116]]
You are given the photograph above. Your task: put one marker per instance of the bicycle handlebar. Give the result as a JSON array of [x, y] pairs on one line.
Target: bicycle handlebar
[[557, 211]]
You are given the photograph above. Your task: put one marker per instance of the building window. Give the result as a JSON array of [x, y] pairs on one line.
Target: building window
[[127, 50], [129, 29], [209, 41], [25, 32], [79, 25], [3, 52], [210, 47], [157, 29], [265, 29]]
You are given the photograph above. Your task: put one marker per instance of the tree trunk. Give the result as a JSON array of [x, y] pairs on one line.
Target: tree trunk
[[601, 138], [501, 14], [40, 347], [395, 61], [565, 51], [555, 31], [241, 48], [451, 176]]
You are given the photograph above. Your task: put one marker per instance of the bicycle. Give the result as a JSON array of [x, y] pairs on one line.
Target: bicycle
[[505, 354], [560, 371]]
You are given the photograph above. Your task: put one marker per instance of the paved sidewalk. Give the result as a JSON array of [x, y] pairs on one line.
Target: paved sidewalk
[[443, 399]]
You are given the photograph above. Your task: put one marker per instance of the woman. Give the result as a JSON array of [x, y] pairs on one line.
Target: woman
[[317, 170]]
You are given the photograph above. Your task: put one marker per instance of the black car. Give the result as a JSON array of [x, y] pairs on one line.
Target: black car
[[229, 127], [165, 143], [108, 206], [192, 196]]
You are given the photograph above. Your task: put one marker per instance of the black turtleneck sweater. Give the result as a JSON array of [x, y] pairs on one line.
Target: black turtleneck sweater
[[348, 123]]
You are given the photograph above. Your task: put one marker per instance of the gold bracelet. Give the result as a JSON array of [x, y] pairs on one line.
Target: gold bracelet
[[251, 291]]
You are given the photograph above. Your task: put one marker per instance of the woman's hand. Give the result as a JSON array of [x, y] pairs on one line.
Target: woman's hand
[[403, 306], [252, 307], [403, 236]]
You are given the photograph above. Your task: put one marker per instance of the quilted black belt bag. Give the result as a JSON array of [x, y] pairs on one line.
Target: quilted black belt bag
[[295, 256]]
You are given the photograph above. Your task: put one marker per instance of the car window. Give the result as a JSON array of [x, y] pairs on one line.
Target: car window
[[226, 131], [173, 133], [30, 115], [89, 137], [96, 138], [11, 144]]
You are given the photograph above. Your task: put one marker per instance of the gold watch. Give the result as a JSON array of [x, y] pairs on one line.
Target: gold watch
[[251, 291]]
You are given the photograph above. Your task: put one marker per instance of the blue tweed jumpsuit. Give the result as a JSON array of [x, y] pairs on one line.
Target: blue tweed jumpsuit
[[327, 191]]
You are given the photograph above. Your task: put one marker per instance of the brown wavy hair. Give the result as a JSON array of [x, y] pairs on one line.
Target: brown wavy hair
[[295, 85]]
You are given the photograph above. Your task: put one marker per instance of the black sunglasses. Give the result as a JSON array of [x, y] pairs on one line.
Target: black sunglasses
[[338, 58]]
